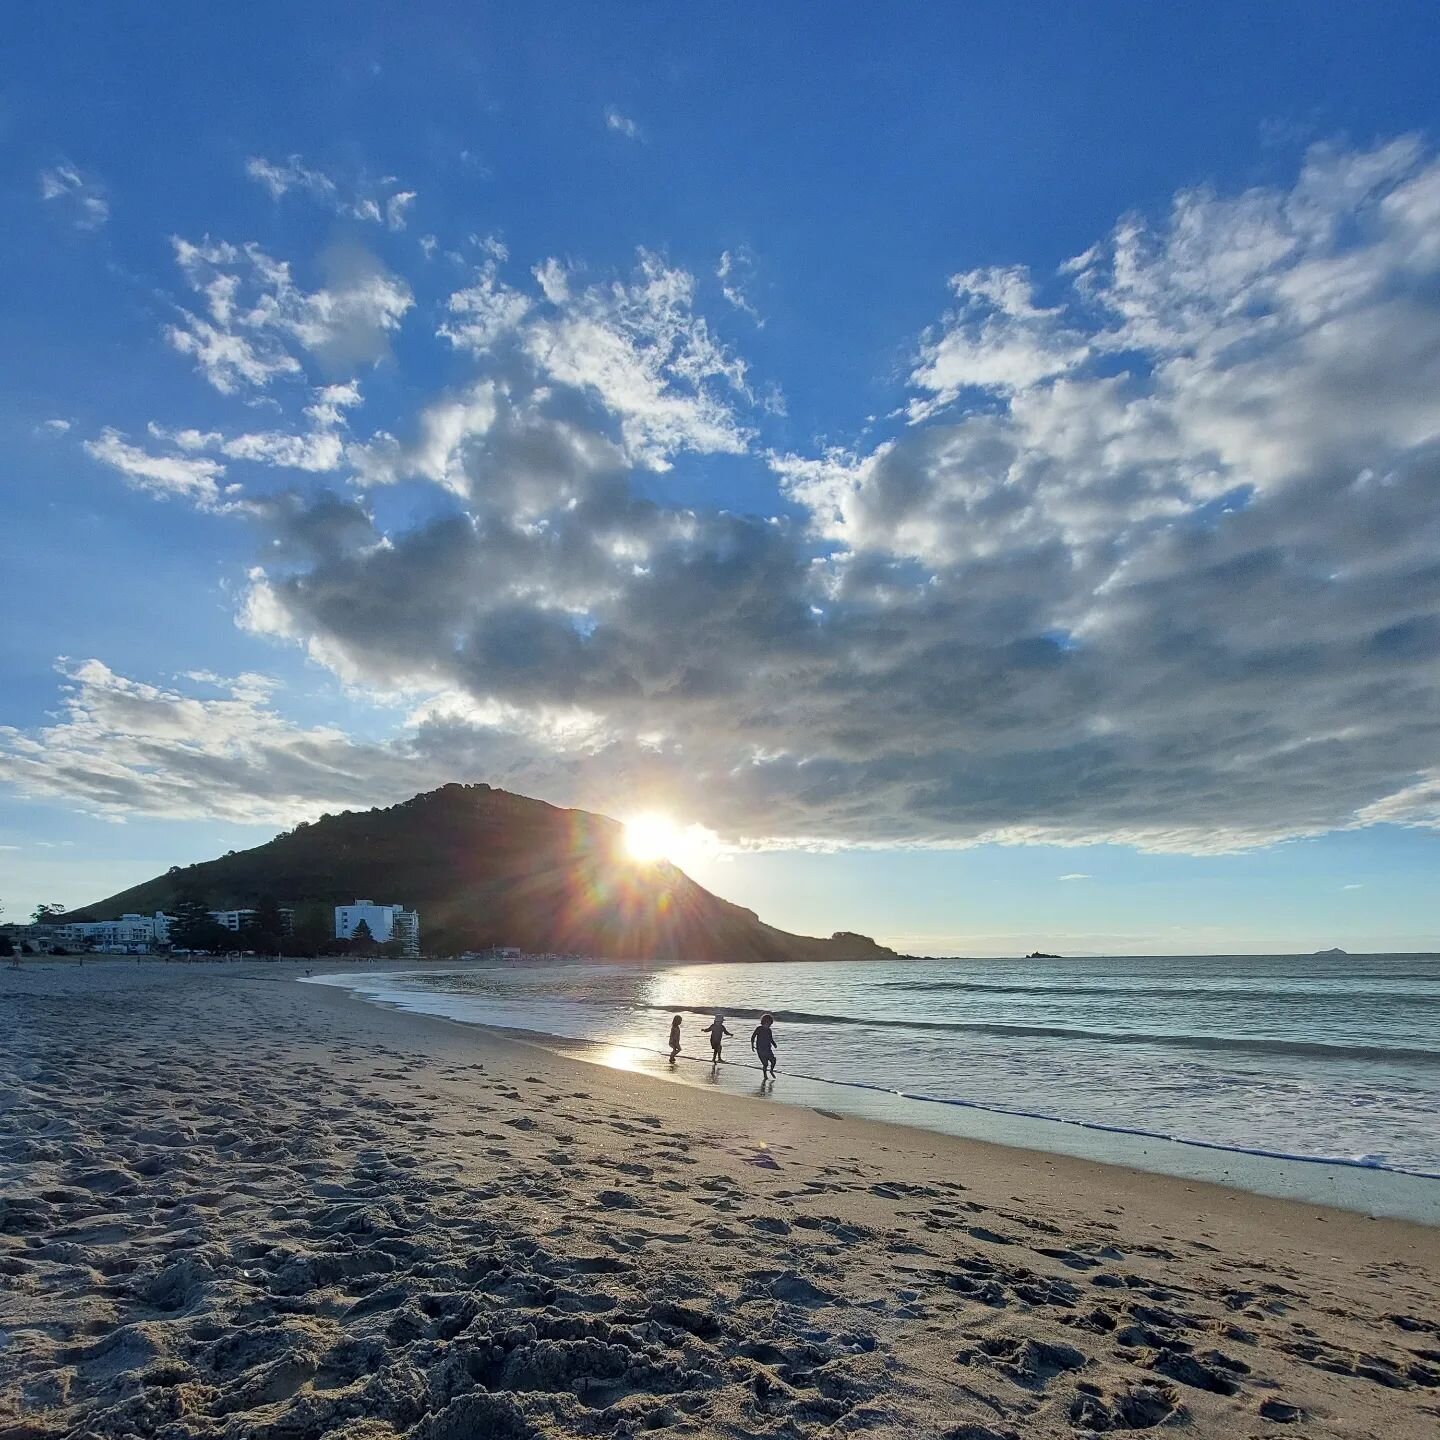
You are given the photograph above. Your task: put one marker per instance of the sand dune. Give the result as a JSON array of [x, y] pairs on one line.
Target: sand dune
[[234, 1206]]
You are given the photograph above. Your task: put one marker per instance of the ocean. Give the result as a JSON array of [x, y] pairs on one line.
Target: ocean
[[1305, 1058]]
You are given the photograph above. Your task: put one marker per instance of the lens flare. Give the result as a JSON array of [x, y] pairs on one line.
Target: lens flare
[[653, 837]]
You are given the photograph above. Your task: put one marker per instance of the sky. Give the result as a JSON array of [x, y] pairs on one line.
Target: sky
[[975, 468]]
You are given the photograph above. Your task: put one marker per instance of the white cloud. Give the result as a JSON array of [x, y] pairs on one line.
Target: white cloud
[[318, 449], [256, 312], [484, 313], [83, 197], [554, 281], [998, 340], [125, 747], [622, 124], [638, 349], [328, 407], [397, 208], [1075, 875], [229, 362], [1416, 804], [734, 272], [367, 203], [641, 350], [55, 427], [446, 427], [293, 174], [163, 475], [319, 452]]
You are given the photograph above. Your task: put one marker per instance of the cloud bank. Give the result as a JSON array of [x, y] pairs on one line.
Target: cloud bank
[[1147, 553]]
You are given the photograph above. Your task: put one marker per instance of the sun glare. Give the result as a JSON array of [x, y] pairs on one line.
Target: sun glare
[[652, 837]]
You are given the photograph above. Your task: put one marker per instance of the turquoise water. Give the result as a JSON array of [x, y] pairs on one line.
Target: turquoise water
[[1320, 1058]]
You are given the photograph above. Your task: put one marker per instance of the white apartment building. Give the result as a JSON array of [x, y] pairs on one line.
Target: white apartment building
[[236, 920], [385, 922], [130, 933], [133, 934]]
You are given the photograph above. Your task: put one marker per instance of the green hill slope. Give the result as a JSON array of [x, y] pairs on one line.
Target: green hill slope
[[485, 867]]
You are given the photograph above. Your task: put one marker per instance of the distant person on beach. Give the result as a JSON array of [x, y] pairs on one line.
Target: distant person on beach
[[762, 1042], [674, 1038], [717, 1032]]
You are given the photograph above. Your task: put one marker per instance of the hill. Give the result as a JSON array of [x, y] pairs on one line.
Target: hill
[[485, 867]]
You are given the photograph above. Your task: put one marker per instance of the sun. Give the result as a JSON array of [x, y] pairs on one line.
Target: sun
[[653, 837]]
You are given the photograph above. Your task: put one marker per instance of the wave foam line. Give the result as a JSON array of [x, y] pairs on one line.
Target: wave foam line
[[1255, 1045], [1349, 1162]]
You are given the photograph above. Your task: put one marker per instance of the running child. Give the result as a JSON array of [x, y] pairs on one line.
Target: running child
[[717, 1032], [762, 1042]]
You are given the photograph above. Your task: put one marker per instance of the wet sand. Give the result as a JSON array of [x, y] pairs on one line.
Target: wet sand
[[232, 1205]]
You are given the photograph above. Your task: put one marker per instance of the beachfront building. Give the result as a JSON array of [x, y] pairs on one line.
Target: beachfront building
[[129, 935], [385, 922], [237, 920], [39, 939]]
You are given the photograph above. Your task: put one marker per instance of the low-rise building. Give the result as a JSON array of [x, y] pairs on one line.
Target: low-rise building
[[238, 920], [130, 934], [385, 922], [34, 939]]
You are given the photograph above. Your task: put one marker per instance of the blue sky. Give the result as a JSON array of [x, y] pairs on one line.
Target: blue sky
[[938, 453]]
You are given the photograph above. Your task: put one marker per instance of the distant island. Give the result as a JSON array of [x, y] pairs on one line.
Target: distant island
[[1043, 955], [1334, 950], [485, 868]]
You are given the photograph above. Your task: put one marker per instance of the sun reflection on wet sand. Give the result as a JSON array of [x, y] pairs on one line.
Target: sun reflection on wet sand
[[619, 1057]]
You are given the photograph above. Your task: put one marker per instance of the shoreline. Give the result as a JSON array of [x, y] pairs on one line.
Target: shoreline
[[1338, 1182], [235, 1204]]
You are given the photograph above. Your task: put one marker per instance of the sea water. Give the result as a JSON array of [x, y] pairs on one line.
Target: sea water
[[1315, 1058]]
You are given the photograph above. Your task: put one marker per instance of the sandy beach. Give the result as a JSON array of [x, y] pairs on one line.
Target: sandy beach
[[233, 1205]]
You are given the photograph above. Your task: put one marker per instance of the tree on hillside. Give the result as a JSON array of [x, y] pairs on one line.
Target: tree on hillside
[[362, 938], [47, 914]]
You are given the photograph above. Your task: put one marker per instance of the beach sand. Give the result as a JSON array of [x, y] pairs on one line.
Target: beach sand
[[235, 1205]]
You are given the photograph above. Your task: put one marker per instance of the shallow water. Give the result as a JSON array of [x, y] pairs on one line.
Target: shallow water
[[1311, 1057]]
